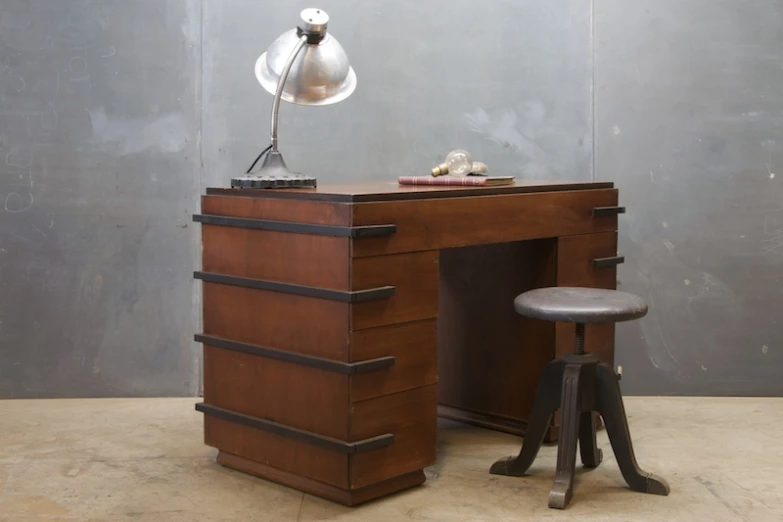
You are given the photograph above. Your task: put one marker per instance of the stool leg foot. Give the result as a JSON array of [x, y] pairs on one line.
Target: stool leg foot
[[546, 401], [588, 445], [561, 492], [610, 405]]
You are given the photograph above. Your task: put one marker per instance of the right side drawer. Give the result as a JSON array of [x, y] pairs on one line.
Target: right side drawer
[[588, 260]]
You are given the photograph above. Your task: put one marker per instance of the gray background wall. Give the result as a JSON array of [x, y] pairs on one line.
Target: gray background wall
[[115, 114], [689, 123], [99, 172]]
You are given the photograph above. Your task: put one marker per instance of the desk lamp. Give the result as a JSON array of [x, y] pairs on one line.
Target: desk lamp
[[305, 66]]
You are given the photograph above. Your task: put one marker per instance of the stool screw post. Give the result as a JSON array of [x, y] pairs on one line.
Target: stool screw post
[[580, 339]]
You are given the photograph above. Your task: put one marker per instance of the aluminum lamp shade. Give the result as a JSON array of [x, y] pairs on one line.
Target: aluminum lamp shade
[[320, 74]]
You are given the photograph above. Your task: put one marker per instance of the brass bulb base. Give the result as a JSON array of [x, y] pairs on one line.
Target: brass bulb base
[[440, 170]]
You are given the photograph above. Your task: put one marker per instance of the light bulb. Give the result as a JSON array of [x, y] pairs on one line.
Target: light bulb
[[457, 163]]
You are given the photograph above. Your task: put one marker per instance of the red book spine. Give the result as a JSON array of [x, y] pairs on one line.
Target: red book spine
[[442, 180]]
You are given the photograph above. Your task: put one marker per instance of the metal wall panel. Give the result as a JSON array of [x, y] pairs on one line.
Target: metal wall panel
[[99, 172], [689, 123]]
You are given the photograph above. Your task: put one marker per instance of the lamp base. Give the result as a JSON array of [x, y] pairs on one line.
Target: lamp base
[[274, 165], [273, 174]]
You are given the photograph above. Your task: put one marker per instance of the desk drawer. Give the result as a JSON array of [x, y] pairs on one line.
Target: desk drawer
[[412, 416], [278, 451], [295, 395], [414, 346], [293, 323], [300, 259], [414, 277], [433, 224]]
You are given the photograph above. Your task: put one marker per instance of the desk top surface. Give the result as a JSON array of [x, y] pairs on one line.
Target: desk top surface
[[392, 191]]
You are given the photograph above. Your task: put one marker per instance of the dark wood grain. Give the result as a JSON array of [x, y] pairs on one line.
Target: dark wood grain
[[392, 191], [236, 205], [490, 358], [415, 278], [448, 223], [414, 346], [286, 322], [286, 454], [250, 384], [277, 256], [412, 417], [352, 497]]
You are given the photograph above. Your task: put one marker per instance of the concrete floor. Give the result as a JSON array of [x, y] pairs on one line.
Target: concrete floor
[[143, 460]]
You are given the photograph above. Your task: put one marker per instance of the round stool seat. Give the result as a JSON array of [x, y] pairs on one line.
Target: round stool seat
[[580, 305]]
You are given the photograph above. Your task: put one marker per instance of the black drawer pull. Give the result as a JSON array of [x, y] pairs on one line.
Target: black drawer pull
[[603, 262], [608, 211], [296, 228], [355, 368], [348, 448]]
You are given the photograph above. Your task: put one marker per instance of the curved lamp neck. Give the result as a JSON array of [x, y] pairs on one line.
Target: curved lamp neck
[[281, 84]]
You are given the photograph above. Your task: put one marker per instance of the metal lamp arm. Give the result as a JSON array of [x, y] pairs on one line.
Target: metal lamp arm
[[281, 84]]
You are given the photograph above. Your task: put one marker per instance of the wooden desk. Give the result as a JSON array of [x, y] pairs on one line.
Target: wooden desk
[[337, 320]]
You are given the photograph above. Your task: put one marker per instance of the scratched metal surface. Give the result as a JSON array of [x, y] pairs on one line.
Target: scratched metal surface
[[689, 122], [99, 156], [507, 80], [99, 172]]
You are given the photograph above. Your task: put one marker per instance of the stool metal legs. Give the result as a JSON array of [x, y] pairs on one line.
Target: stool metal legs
[[546, 401], [588, 446], [572, 397], [579, 385], [609, 403]]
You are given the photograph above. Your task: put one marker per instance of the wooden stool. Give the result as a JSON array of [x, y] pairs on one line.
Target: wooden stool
[[579, 384]]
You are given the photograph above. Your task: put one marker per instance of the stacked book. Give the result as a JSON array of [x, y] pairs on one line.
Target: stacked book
[[465, 181]]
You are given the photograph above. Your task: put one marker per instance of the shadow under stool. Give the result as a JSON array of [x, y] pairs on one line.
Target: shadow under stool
[[579, 384]]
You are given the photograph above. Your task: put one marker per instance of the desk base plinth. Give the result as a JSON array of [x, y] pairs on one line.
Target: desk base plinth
[[319, 489]]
